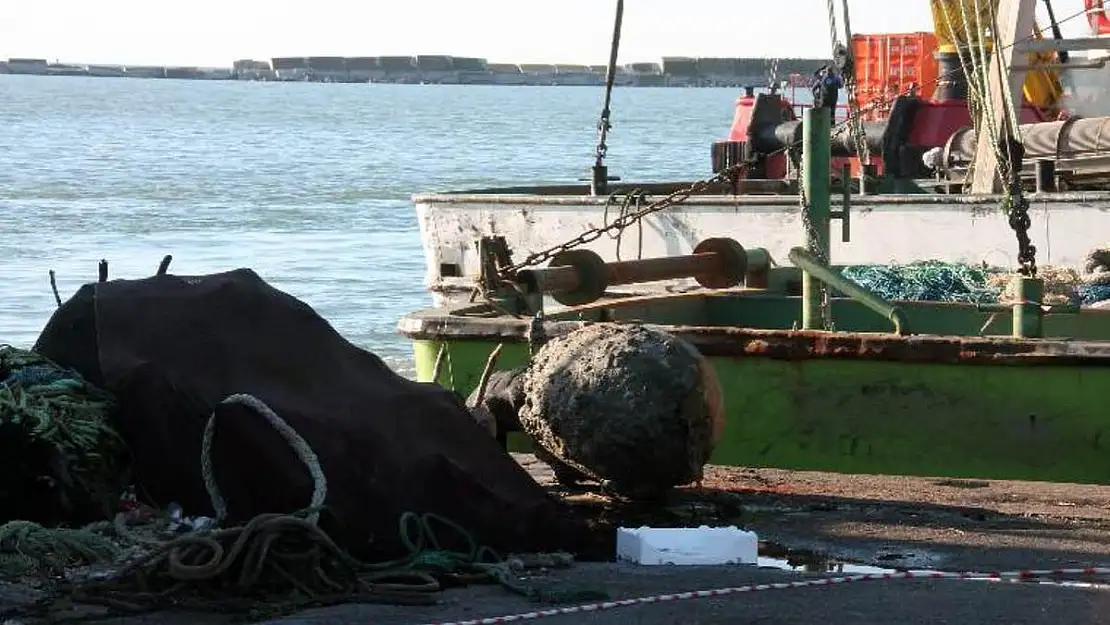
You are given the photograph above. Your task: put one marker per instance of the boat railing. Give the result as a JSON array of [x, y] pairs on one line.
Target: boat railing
[[807, 262], [840, 113], [798, 82]]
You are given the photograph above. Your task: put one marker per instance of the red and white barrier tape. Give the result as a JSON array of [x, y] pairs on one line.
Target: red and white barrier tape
[[1028, 576]]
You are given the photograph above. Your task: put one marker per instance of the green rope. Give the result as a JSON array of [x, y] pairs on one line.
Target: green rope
[[29, 549], [265, 559], [54, 424]]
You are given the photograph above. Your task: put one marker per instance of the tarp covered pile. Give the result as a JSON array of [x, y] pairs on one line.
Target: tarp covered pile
[[171, 348]]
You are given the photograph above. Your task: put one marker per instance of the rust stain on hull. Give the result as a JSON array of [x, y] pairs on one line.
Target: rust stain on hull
[[803, 345], [734, 342]]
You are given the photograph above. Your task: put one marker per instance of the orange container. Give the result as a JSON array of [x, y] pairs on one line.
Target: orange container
[[889, 65]]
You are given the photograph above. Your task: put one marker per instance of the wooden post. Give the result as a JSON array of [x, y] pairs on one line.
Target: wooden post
[[1015, 22]]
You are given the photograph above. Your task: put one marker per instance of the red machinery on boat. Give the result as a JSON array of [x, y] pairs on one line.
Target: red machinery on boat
[[1097, 17], [913, 96]]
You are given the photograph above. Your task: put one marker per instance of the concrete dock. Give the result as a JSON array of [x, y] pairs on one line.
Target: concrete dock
[[812, 526], [440, 69]]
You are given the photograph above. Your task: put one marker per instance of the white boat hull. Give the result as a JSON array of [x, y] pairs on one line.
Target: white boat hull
[[884, 229]]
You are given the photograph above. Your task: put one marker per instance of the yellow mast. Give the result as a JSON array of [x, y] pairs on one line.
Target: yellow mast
[[959, 26]]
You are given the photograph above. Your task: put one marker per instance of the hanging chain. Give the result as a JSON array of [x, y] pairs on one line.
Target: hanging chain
[[625, 220], [1010, 158], [811, 239], [1017, 210]]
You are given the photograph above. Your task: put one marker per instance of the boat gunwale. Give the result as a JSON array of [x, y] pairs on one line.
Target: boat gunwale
[[578, 195], [438, 324]]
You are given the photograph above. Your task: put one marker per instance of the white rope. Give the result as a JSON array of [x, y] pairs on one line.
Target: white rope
[[299, 445]]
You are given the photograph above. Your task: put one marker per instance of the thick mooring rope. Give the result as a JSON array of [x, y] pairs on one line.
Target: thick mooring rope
[[277, 563], [302, 449]]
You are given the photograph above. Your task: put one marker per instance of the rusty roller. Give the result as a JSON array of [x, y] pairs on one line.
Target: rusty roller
[[577, 277]]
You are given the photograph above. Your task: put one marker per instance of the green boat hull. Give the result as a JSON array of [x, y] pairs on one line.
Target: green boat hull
[[1024, 410], [958, 390]]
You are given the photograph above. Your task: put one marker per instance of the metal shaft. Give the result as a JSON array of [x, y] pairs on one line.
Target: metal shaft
[[815, 208], [653, 269], [566, 278], [816, 270]]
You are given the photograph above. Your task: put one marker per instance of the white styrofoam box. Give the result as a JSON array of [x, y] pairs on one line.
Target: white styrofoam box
[[687, 545]]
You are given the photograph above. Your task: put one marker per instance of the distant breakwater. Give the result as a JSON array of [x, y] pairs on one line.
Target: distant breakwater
[[438, 69]]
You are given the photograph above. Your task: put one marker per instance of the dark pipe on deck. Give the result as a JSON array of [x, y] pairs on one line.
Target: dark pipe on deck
[[566, 278], [653, 269], [580, 276], [771, 138]]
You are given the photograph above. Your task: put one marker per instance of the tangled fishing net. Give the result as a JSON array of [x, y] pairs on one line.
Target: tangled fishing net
[[937, 281], [60, 458], [932, 281]]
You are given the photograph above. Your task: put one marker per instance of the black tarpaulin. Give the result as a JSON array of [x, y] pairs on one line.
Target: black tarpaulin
[[171, 348]]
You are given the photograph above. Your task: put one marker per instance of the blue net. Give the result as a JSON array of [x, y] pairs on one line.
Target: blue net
[[1092, 293], [936, 281], [930, 280]]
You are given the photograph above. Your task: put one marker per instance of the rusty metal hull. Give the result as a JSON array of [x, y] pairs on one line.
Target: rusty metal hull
[[947, 406]]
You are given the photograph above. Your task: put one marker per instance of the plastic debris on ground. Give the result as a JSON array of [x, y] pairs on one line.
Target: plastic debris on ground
[[701, 546]]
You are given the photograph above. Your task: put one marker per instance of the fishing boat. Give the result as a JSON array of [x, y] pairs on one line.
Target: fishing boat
[[819, 372], [904, 145]]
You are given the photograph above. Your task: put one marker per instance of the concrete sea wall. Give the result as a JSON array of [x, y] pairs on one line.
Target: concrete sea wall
[[442, 69]]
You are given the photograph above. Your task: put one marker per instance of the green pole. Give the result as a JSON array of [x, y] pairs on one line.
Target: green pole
[[1028, 315], [816, 155]]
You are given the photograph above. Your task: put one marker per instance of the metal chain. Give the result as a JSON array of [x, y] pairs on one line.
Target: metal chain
[[1017, 210], [811, 237], [603, 128], [623, 221], [674, 198]]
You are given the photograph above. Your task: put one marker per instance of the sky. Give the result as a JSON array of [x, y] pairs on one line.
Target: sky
[[216, 32]]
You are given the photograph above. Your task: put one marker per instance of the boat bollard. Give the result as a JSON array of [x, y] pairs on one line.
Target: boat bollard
[[1028, 315], [1044, 173]]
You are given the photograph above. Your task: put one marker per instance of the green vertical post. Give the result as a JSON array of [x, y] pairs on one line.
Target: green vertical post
[[1028, 315], [816, 155]]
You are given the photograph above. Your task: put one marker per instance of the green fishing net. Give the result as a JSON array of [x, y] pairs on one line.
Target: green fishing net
[[936, 281]]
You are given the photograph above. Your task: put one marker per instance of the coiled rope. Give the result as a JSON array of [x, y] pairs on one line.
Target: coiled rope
[[261, 562]]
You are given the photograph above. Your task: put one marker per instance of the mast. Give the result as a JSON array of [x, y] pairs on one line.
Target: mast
[[1005, 78]]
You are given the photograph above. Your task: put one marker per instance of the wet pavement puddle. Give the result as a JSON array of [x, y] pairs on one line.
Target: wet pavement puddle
[[775, 556]]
